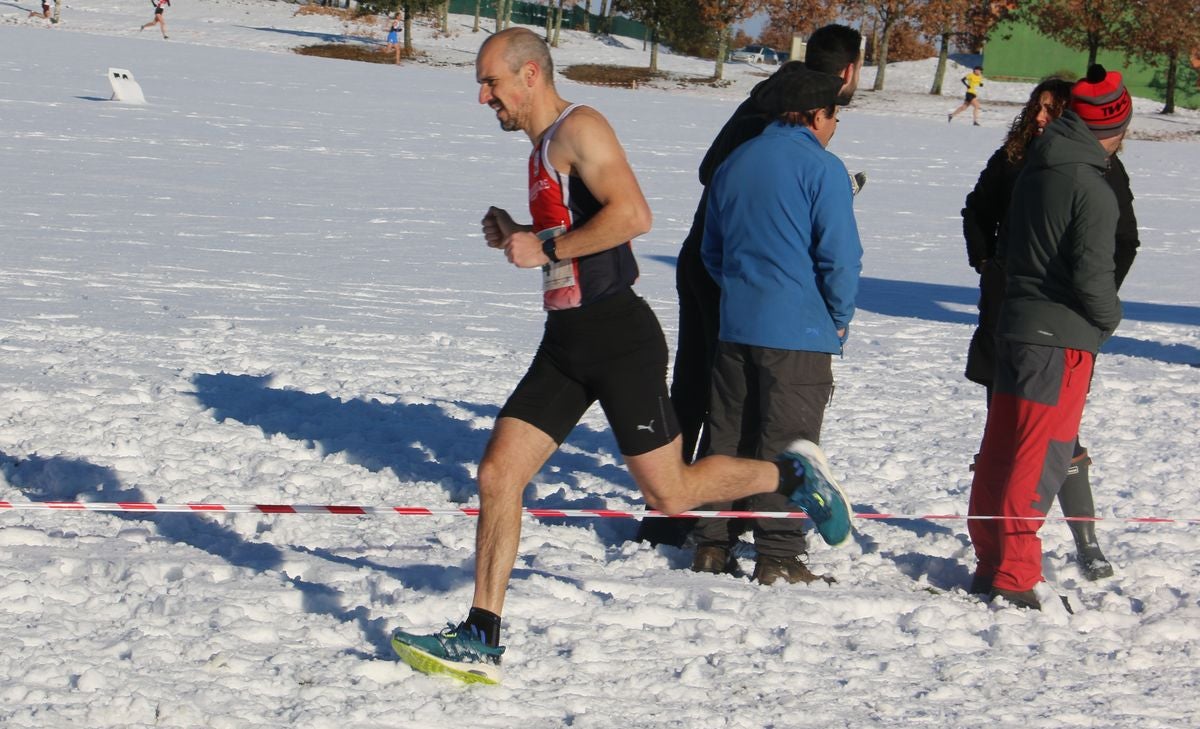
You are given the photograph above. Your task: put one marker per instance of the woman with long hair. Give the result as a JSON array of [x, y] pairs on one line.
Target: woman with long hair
[[985, 210]]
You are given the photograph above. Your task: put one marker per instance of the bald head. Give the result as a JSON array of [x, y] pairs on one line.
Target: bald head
[[518, 46]]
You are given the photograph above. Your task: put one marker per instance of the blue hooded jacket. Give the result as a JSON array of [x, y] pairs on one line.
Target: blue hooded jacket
[[781, 241]]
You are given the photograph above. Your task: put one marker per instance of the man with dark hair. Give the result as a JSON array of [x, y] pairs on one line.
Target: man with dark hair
[[779, 236], [1060, 305], [832, 49], [601, 342]]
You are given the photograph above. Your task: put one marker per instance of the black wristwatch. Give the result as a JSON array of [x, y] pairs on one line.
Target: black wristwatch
[[550, 248]]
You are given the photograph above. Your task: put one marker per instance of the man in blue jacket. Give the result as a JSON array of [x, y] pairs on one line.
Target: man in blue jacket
[[781, 242]]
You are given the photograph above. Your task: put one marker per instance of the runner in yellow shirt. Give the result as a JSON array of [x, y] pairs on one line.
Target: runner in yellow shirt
[[972, 81]]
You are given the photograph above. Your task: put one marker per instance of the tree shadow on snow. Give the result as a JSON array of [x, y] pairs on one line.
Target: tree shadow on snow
[[957, 305], [416, 441], [59, 478], [327, 37]]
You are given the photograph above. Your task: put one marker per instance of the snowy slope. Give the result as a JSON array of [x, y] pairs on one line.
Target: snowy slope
[[268, 285]]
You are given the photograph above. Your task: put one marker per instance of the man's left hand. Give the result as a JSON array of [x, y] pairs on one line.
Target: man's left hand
[[524, 250]]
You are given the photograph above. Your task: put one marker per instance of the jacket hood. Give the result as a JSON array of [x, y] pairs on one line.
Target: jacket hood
[[1067, 141]]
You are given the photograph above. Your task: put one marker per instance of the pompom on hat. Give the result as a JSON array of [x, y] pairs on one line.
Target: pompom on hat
[[1102, 101], [801, 90]]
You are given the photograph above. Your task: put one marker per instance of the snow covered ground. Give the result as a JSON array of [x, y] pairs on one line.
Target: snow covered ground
[[268, 285]]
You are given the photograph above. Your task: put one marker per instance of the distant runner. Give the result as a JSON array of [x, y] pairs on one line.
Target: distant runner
[[972, 81], [159, 19]]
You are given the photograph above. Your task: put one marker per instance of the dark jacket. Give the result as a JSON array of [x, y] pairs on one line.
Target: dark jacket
[[747, 122], [1058, 244], [983, 211]]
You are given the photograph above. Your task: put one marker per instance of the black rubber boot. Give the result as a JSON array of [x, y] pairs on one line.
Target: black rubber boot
[[1075, 498]]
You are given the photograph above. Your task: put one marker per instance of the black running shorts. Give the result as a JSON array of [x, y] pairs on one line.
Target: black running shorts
[[612, 351]]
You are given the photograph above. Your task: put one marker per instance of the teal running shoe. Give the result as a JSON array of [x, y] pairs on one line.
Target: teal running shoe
[[456, 651], [805, 478]]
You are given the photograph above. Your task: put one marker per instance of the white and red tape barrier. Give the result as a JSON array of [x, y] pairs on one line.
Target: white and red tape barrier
[[357, 510]]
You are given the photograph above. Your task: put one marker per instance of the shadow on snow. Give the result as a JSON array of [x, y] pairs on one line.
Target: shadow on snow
[[59, 478], [956, 305], [415, 441]]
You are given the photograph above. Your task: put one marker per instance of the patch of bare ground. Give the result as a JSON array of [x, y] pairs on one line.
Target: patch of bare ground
[[635, 76], [1189, 135], [342, 13], [352, 52]]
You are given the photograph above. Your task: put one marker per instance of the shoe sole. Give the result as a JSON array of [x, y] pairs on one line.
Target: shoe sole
[[813, 452], [430, 664]]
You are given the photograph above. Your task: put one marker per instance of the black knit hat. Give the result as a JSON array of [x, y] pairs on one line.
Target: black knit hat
[[800, 90]]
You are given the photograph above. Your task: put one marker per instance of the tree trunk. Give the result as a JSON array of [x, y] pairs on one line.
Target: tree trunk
[[654, 50], [57, 11], [558, 22], [940, 75], [475, 27], [549, 20], [587, 16], [602, 15], [445, 13], [881, 55], [1172, 76], [408, 44], [722, 49]]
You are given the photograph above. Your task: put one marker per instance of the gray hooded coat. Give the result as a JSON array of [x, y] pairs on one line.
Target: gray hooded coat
[[1057, 244]]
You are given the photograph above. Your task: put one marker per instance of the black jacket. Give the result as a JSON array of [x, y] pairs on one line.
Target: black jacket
[[1058, 244]]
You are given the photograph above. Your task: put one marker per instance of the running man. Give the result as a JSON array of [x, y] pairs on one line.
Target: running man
[[601, 342]]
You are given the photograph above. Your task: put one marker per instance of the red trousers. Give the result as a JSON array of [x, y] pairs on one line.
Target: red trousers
[[1027, 447]]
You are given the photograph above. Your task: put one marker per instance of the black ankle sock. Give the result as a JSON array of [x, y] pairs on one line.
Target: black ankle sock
[[487, 623], [786, 484]]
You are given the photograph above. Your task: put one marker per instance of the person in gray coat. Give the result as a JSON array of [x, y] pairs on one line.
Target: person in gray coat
[[984, 210], [1060, 305]]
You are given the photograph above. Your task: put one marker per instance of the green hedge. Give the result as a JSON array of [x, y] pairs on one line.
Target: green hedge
[[1020, 52]]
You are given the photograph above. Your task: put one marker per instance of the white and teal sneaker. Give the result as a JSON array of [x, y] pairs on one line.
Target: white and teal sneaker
[[456, 651], [805, 478]]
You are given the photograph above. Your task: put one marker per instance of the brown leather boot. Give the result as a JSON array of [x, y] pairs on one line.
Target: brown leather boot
[[768, 570], [715, 559]]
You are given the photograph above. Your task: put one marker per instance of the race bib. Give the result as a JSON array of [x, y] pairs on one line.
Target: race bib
[[559, 275]]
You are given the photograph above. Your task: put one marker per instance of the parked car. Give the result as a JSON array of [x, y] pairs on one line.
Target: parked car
[[757, 54]]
